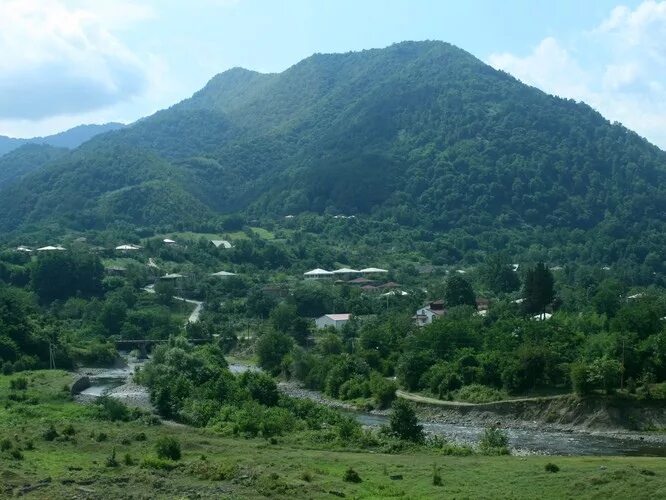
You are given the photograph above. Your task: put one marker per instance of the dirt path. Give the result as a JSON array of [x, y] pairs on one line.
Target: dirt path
[[417, 398]]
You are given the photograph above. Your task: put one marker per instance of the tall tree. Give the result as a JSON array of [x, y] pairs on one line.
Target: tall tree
[[539, 289], [459, 292], [498, 274]]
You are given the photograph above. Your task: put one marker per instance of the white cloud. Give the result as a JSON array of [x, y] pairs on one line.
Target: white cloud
[[618, 67], [61, 57]]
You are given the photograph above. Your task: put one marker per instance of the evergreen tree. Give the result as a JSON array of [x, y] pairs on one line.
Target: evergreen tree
[[539, 289], [459, 292]]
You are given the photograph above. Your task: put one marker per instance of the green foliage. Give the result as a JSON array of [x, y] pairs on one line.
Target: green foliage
[[111, 409], [539, 289], [351, 476], [403, 422], [498, 274], [167, 447], [494, 442], [271, 348], [62, 274], [459, 292], [551, 467]]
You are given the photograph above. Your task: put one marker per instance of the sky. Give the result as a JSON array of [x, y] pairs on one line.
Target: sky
[[67, 62]]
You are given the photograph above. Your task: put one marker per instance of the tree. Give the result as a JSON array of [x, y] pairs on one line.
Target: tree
[[459, 292], [498, 274], [403, 422], [539, 289], [164, 291], [271, 348], [59, 275]]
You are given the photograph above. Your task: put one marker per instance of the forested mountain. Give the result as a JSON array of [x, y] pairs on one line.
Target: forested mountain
[[26, 159], [419, 133], [71, 138]]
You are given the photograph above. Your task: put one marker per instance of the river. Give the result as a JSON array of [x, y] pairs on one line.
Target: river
[[117, 383]]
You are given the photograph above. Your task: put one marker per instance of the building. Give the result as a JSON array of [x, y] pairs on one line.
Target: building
[[51, 248], [318, 274], [346, 273], [127, 248], [373, 270], [427, 314], [223, 274], [221, 244], [168, 241], [337, 321]]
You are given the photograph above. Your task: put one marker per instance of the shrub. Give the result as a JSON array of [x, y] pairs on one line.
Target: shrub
[[477, 393], [128, 460], [50, 433], [16, 454], [436, 476], [5, 445], [18, 384], [494, 442], [551, 467], [579, 378], [306, 476], [101, 437], [69, 430], [141, 436], [112, 409], [29, 445], [7, 368], [168, 448], [111, 460], [351, 476], [403, 422]]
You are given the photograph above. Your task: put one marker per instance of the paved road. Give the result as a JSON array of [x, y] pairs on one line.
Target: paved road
[[198, 306]]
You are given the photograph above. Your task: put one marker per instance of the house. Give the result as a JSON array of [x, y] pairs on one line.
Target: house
[[369, 288], [221, 244], [337, 321], [542, 316], [373, 270], [23, 249], [223, 274], [51, 248], [127, 248], [172, 276], [318, 274], [395, 293], [168, 241], [346, 272], [482, 304], [389, 285], [115, 270], [427, 314]]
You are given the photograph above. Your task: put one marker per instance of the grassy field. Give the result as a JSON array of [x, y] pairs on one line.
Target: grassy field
[[213, 466]]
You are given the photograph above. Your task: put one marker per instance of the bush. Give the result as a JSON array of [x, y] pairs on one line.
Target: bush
[[494, 442], [69, 430], [112, 409], [157, 463], [18, 384], [128, 460], [168, 448], [101, 437], [16, 454], [403, 422], [111, 460], [579, 378], [551, 467], [351, 476], [476, 393], [5, 445], [141, 436], [436, 476], [50, 433]]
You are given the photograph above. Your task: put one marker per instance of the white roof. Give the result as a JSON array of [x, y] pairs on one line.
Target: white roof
[[167, 240], [542, 316], [519, 301], [635, 296], [128, 247], [318, 271], [50, 248], [223, 273], [338, 317], [373, 270], [346, 270], [395, 292], [221, 243], [172, 276], [23, 249]]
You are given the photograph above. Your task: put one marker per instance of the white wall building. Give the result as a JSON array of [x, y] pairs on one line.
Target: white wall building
[[337, 321]]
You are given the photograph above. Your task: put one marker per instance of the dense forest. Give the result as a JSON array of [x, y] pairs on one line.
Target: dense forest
[[456, 157]]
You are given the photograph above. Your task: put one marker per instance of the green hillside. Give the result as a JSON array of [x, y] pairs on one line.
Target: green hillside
[[25, 160], [421, 134]]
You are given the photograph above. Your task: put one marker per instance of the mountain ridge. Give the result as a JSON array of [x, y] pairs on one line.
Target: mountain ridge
[[420, 133]]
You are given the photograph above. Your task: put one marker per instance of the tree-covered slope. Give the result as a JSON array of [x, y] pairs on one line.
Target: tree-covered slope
[[421, 133], [71, 138], [24, 160]]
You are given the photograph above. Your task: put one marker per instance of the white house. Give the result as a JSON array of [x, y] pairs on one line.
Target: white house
[[346, 272], [318, 274], [335, 320], [427, 314], [223, 274], [373, 270], [168, 241], [51, 248], [24, 249], [221, 243], [128, 248]]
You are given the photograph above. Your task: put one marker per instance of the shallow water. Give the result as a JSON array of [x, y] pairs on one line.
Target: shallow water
[[535, 441]]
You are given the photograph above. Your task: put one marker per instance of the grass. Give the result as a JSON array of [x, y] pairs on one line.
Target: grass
[[213, 466]]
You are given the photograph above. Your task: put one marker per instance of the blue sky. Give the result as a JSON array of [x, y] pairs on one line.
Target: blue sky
[[67, 62]]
